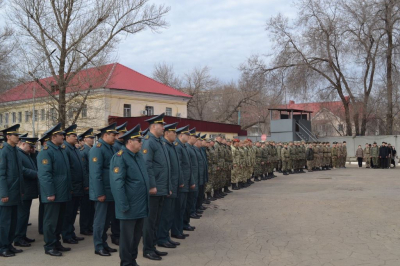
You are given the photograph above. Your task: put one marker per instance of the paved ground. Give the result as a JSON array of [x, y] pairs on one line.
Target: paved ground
[[330, 218]]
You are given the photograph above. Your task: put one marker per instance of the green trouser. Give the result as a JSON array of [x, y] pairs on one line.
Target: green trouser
[[375, 161], [285, 164]]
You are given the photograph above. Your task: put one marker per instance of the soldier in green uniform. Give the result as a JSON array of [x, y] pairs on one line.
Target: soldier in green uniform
[[242, 165], [264, 160], [159, 170], [168, 209], [198, 210], [344, 154], [334, 153], [310, 157], [29, 170], [279, 156], [236, 164], [229, 162], [375, 155], [42, 141], [367, 155], [99, 188], [212, 169], [130, 187], [55, 188], [285, 157], [77, 171], [11, 190], [188, 183], [203, 149], [115, 230], [292, 156], [220, 175], [258, 165], [86, 214]]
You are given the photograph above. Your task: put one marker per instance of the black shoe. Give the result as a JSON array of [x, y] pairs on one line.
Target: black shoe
[[161, 253], [178, 236], [202, 208], [235, 187], [7, 254], [53, 252], [29, 240], [226, 190], [285, 173], [22, 243], [110, 250], [166, 245], [207, 201], [29, 224], [188, 228], [186, 235], [174, 242], [70, 241], [63, 249], [152, 256], [194, 216], [199, 215], [256, 180], [115, 241], [198, 211], [102, 252], [14, 250], [86, 233], [78, 238]]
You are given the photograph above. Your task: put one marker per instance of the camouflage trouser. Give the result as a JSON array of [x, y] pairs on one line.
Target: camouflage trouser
[[309, 165], [279, 164], [235, 174], [338, 162], [228, 176], [375, 161], [334, 161], [258, 168], [290, 165], [219, 176], [265, 168], [285, 165], [211, 178], [367, 161]]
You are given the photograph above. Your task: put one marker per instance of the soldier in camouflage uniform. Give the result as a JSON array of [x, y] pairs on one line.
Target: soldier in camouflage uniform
[[212, 169], [264, 159], [229, 161], [242, 153], [291, 157], [220, 173], [285, 157], [344, 147], [340, 154], [334, 152], [274, 159], [375, 155], [367, 155], [236, 164], [248, 163], [278, 150], [258, 165]]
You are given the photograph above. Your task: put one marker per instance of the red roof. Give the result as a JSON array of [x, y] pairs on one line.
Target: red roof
[[201, 126], [112, 76]]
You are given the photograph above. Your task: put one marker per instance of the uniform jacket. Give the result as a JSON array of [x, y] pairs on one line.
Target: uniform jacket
[[54, 173], [85, 160], [185, 165], [202, 167], [309, 154], [11, 175], [219, 152], [118, 145], [129, 185], [374, 151], [158, 165], [204, 154], [76, 162], [194, 164], [285, 154], [99, 170], [359, 153], [30, 174], [176, 173]]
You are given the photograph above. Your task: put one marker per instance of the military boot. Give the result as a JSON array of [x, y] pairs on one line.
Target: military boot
[[273, 174], [235, 187], [285, 173], [256, 179], [249, 180], [226, 189], [209, 197], [222, 193]]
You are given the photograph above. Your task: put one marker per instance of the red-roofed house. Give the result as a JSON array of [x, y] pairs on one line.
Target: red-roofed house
[[115, 90]]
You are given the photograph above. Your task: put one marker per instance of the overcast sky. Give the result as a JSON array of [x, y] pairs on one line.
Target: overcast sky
[[221, 34]]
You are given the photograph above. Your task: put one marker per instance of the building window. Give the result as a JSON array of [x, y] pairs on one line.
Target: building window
[[340, 127], [1, 118], [26, 116], [52, 114], [6, 118], [70, 113], [36, 115], [150, 110], [168, 111], [84, 111], [14, 117], [19, 117], [127, 110]]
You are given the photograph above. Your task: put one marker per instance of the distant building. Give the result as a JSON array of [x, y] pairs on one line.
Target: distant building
[[115, 90]]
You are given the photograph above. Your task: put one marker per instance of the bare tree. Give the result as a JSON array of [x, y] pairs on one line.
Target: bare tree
[[165, 74], [73, 35]]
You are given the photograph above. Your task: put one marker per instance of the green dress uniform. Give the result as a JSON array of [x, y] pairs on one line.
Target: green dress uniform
[[78, 173], [55, 180], [31, 188], [11, 186], [168, 212], [99, 185], [202, 173], [188, 181], [86, 214], [158, 168], [130, 187], [192, 197]]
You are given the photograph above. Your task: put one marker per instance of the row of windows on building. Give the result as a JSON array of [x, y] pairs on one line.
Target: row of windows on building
[[42, 115], [149, 110]]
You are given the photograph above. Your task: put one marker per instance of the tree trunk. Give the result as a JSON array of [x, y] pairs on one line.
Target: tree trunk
[[389, 81], [364, 116]]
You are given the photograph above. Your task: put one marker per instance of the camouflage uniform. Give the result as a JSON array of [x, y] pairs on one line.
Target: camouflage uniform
[[258, 166], [367, 156], [264, 157], [334, 151], [212, 169], [228, 165], [235, 178], [220, 173], [285, 157], [292, 156], [278, 150], [242, 153]]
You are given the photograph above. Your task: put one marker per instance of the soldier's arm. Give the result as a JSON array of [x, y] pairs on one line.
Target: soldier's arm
[[96, 171], [179, 154], [45, 173], [117, 182], [29, 173], [148, 155], [3, 176]]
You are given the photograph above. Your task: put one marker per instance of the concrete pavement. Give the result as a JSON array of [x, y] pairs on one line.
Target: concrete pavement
[[328, 218]]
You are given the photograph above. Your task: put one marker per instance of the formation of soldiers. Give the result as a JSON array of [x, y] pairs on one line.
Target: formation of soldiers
[[148, 183]]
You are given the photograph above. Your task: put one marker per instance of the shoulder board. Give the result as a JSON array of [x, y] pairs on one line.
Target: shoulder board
[[98, 145], [63, 146], [120, 152], [176, 143], [45, 147], [147, 137]]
